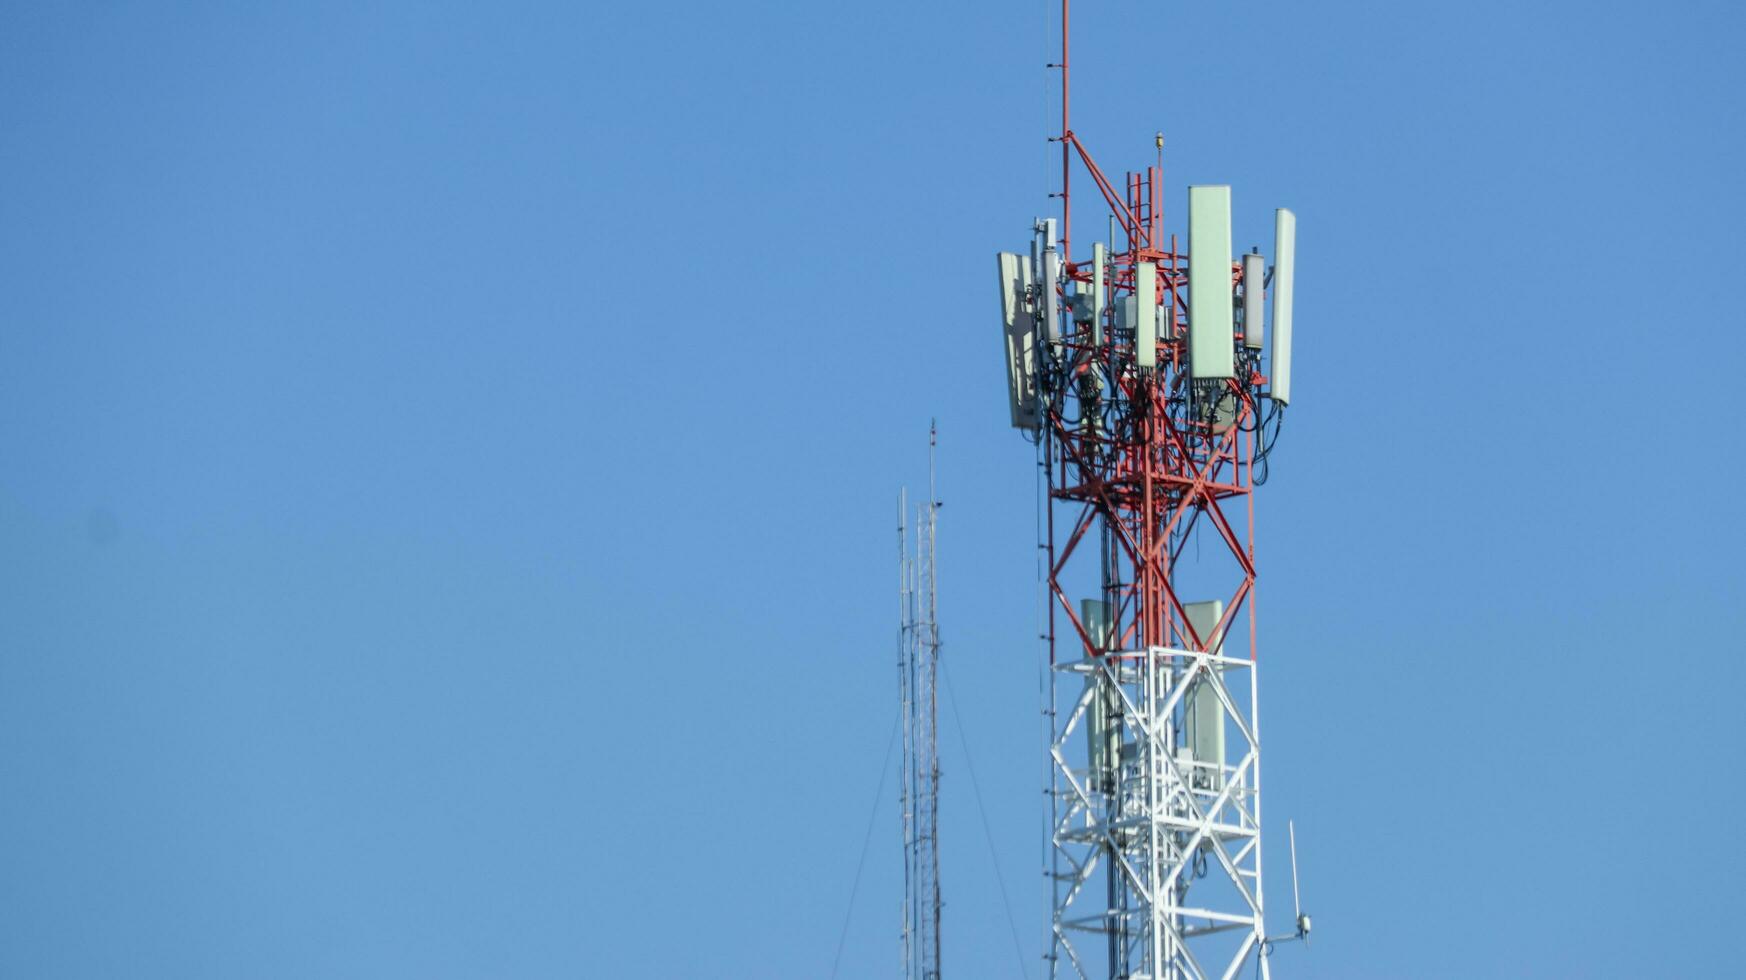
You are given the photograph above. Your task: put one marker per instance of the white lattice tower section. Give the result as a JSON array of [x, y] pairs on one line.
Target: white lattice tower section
[[1179, 839]]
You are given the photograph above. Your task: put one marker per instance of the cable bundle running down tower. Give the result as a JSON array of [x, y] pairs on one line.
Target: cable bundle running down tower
[[918, 670], [1139, 371]]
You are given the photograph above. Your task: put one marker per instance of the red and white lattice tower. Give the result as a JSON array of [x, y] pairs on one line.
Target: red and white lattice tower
[[1139, 367]]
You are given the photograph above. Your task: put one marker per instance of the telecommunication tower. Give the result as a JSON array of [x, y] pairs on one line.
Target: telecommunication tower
[[1140, 370], [918, 667]]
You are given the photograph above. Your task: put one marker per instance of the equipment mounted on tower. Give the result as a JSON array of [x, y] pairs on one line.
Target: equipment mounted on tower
[[1154, 391]]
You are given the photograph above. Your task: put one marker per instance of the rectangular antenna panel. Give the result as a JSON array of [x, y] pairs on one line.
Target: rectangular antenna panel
[[1052, 293], [1204, 617], [1206, 714], [1210, 330], [1079, 304], [1284, 273], [1020, 337], [1094, 616], [1254, 289], [1103, 733], [1146, 314], [1099, 259]]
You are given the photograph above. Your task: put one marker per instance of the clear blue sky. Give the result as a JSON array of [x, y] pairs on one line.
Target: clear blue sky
[[448, 458]]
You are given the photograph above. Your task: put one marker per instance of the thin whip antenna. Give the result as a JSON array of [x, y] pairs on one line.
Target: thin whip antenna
[[1296, 906], [933, 441]]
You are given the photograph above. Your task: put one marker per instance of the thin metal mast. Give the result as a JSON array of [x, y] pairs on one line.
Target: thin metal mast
[[919, 642], [906, 709]]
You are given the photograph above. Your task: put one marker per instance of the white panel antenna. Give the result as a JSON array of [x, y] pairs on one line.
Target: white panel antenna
[[1284, 272], [1052, 295], [1051, 282], [1099, 260], [1146, 314], [1020, 337], [1254, 290], [1210, 329], [1103, 736], [1206, 715]]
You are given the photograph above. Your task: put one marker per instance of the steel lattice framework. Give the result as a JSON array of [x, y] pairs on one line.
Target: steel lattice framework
[[1133, 474], [1156, 838], [918, 669]]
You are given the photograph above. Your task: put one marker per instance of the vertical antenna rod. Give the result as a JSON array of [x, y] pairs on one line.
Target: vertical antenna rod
[[1296, 905], [1066, 149]]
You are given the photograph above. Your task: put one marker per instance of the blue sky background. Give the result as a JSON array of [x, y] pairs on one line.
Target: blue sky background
[[448, 457]]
